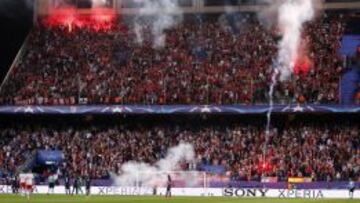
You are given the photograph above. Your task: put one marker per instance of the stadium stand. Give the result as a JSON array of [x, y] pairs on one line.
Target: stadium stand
[[326, 150], [200, 64]]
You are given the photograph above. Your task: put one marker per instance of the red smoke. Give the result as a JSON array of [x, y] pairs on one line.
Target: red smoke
[[303, 66], [96, 18], [303, 63]]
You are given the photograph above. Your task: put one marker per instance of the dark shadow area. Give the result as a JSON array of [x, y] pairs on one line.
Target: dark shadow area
[[16, 20]]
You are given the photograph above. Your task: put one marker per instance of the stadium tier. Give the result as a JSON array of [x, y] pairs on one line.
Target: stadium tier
[[230, 148], [212, 62]]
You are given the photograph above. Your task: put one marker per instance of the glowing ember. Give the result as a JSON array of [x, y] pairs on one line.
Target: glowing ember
[[303, 66], [264, 166]]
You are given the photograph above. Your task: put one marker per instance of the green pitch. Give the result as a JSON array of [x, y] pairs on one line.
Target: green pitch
[[122, 199]]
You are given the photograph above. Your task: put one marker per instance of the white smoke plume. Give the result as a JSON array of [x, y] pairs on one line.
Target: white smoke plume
[[138, 29], [290, 17], [63, 3], [98, 3], [144, 174], [163, 14]]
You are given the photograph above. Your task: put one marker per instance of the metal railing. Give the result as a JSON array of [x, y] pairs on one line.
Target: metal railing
[[18, 57]]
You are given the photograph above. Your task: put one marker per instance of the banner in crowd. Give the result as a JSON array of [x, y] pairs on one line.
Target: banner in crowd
[[299, 180], [204, 192], [269, 179], [178, 109], [49, 157]]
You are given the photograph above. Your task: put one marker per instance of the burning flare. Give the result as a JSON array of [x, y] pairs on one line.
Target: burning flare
[[292, 14]]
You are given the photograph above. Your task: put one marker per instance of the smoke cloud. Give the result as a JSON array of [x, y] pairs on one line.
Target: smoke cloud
[[290, 16], [98, 3], [70, 3], [164, 15], [156, 175]]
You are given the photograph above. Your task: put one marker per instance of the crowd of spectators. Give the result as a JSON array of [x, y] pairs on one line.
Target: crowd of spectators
[[324, 152], [201, 63]]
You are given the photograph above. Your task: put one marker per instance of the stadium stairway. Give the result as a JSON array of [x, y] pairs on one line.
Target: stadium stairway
[[351, 78], [349, 85], [18, 57]]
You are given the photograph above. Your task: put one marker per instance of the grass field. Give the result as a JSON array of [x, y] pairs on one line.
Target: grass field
[[122, 199]]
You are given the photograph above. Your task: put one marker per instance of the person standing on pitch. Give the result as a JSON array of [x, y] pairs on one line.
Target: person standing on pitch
[[88, 185], [51, 181], [168, 187], [22, 182], [15, 184], [29, 184], [351, 189], [77, 185], [67, 184]]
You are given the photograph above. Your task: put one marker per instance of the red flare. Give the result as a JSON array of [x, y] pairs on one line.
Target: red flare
[[303, 66], [96, 19]]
